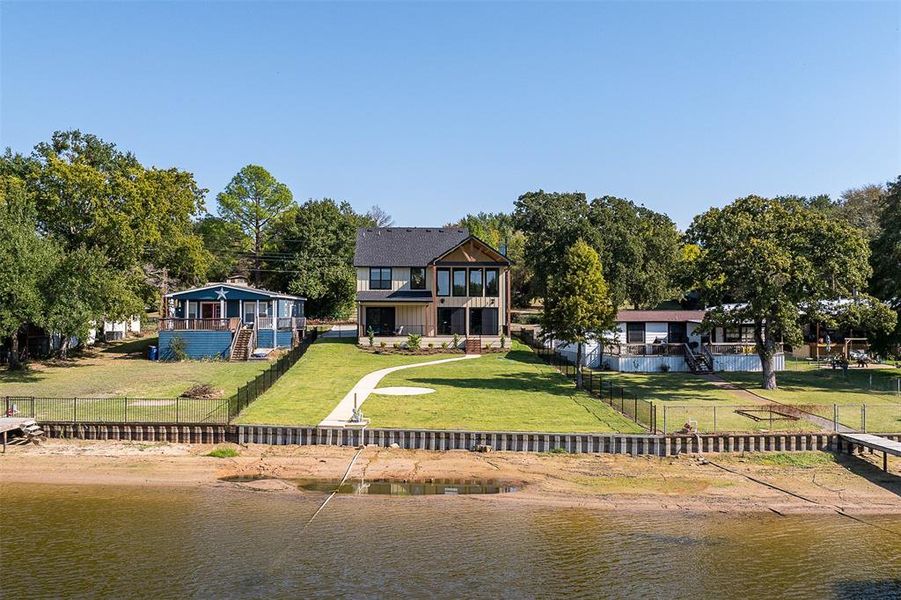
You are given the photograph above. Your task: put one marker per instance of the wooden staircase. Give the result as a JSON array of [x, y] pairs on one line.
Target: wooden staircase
[[241, 348], [699, 364]]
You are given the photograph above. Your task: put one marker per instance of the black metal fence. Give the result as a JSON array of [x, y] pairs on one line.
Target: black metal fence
[[117, 410], [255, 388], [641, 411]]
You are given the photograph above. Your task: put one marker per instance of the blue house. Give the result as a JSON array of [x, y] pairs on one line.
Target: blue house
[[230, 320]]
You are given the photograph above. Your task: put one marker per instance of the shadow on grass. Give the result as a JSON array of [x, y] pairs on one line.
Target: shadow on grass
[[524, 382], [131, 347], [23, 375], [824, 380]]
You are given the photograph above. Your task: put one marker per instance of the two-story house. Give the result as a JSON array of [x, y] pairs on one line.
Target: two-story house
[[432, 281]]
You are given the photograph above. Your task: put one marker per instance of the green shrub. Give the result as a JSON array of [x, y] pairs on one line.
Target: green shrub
[[178, 348], [456, 340], [223, 453], [503, 340], [444, 345], [414, 341], [371, 335], [383, 344], [431, 345], [396, 345]]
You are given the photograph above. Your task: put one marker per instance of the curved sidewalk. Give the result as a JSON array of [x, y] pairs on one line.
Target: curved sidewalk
[[341, 415]]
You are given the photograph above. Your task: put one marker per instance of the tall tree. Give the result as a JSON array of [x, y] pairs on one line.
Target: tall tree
[[379, 216], [640, 250], [551, 223], [776, 259], [23, 268], [90, 194], [254, 200], [81, 291], [886, 261], [229, 247], [861, 207], [312, 255], [578, 307]]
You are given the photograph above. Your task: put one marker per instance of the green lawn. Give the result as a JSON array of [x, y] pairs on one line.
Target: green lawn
[[122, 370], [513, 391], [809, 386], [309, 391]]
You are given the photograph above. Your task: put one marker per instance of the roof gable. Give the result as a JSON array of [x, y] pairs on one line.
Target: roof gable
[[472, 249]]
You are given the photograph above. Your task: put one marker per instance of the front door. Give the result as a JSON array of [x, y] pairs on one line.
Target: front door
[[210, 310], [380, 319], [677, 333]]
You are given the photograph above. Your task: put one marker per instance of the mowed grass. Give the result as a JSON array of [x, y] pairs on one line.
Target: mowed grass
[[123, 370], [805, 385], [512, 391], [309, 391]]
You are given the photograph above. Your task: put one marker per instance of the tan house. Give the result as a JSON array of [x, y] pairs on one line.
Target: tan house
[[434, 282]]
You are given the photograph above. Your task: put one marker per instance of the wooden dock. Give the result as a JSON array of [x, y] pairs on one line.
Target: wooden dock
[[872, 443], [29, 428]]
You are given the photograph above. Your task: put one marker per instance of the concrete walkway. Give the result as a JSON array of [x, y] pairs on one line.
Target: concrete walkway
[[342, 413]]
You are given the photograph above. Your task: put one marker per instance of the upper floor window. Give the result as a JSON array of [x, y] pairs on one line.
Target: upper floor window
[[379, 278], [491, 283], [443, 276], [459, 288], [417, 278], [475, 282]]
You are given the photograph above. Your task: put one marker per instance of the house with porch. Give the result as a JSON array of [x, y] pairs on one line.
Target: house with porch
[[231, 320], [647, 341], [436, 282]]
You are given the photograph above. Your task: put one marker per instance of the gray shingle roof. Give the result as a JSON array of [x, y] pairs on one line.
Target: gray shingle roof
[[395, 296], [404, 246]]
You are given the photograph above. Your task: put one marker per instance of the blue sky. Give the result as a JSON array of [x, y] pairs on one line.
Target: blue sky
[[436, 109]]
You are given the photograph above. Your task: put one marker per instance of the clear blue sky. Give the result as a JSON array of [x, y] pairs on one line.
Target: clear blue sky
[[433, 110]]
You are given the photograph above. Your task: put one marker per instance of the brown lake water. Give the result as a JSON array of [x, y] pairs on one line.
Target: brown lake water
[[217, 542]]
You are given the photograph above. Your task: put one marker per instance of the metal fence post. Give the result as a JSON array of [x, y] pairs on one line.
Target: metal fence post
[[714, 418], [177, 402], [834, 417], [664, 419], [74, 410], [863, 417]]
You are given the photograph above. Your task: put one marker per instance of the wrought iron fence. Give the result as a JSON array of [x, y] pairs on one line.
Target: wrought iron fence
[[117, 409], [255, 388]]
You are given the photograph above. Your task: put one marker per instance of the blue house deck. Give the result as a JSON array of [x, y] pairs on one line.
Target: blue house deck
[[230, 320]]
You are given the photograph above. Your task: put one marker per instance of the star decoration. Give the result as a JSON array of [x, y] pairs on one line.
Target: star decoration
[[220, 294]]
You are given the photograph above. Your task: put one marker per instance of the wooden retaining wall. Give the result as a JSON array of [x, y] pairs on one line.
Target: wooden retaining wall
[[578, 443], [140, 432]]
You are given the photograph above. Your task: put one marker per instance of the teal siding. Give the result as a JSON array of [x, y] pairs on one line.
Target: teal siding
[[284, 339], [200, 344]]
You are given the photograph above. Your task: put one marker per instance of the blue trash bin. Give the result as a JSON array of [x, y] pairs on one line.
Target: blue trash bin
[[153, 352]]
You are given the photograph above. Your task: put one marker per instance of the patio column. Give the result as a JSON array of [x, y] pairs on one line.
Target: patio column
[[274, 320], [222, 314]]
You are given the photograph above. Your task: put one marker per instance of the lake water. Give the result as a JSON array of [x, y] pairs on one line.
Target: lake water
[[218, 542]]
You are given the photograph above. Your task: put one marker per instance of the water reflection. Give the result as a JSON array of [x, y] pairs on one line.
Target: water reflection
[[389, 487]]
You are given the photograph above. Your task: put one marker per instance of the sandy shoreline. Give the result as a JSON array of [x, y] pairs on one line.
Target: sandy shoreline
[[717, 483]]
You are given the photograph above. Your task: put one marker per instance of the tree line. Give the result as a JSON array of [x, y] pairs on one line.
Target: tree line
[[88, 233]]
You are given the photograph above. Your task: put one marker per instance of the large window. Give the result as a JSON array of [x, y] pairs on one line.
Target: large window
[[635, 333], [475, 282], [417, 278], [677, 333], [379, 278], [491, 283], [380, 320], [743, 334], [451, 321], [443, 282], [459, 288], [482, 321]]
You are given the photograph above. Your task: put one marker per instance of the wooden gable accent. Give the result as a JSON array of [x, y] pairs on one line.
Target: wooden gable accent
[[472, 250]]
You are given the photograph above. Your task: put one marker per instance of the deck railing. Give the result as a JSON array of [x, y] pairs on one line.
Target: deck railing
[[282, 323], [228, 324], [397, 331], [658, 349]]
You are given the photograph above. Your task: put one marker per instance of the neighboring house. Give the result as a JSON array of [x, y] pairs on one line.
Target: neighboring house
[[432, 281], [646, 341], [231, 320], [117, 330]]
